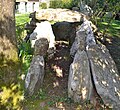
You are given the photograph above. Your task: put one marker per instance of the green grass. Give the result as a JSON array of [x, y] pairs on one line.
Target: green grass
[[113, 36], [112, 30], [25, 51], [21, 19]]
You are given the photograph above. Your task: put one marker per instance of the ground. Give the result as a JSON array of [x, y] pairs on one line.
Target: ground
[[53, 95]]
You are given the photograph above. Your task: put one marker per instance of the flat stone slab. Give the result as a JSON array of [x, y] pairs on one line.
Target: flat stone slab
[[58, 15]]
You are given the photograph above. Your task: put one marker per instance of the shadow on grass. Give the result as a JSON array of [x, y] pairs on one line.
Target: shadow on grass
[[114, 49], [113, 35]]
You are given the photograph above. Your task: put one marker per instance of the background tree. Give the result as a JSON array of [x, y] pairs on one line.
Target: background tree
[[9, 64], [8, 44]]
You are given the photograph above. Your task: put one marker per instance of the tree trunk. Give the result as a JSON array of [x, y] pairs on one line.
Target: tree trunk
[[8, 44]]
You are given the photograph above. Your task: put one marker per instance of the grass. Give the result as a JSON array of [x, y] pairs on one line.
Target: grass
[[113, 36], [25, 51], [21, 19], [113, 29]]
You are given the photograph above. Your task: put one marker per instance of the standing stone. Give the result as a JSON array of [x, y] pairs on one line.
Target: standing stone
[[35, 75], [105, 75], [79, 82], [85, 9], [84, 37], [87, 27], [79, 42], [41, 47]]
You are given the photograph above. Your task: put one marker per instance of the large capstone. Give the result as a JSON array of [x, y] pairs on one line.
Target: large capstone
[[58, 15]]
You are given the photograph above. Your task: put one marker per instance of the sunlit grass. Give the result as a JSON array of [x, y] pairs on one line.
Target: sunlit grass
[[21, 19], [25, 51], [113, 29]]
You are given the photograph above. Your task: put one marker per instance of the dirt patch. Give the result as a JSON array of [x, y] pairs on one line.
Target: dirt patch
[[56, 78]]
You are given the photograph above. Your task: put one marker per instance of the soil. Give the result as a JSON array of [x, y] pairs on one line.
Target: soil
[[56, 79]]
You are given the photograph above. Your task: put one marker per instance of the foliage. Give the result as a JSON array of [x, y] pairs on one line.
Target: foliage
[[76, 3], [25, 51], [21, 19], [112, 30], [11, 97], [43, 5], [55, 4], [25, 54], [41, 95], [67, 4], [61, 4]]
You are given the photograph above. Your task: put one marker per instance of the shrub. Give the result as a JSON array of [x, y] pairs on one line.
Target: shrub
[[43, 5], [67, 4], [55, 4], [61, 4]]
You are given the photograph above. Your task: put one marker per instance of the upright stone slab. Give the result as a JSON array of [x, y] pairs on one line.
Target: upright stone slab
[[79, 43], [84, 37], [79, 82], [84, 8], [105, 75], [35, 75], [41, 47], [87, 27]]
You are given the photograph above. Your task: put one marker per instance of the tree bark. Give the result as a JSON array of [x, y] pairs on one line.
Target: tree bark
[[8, 44]]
